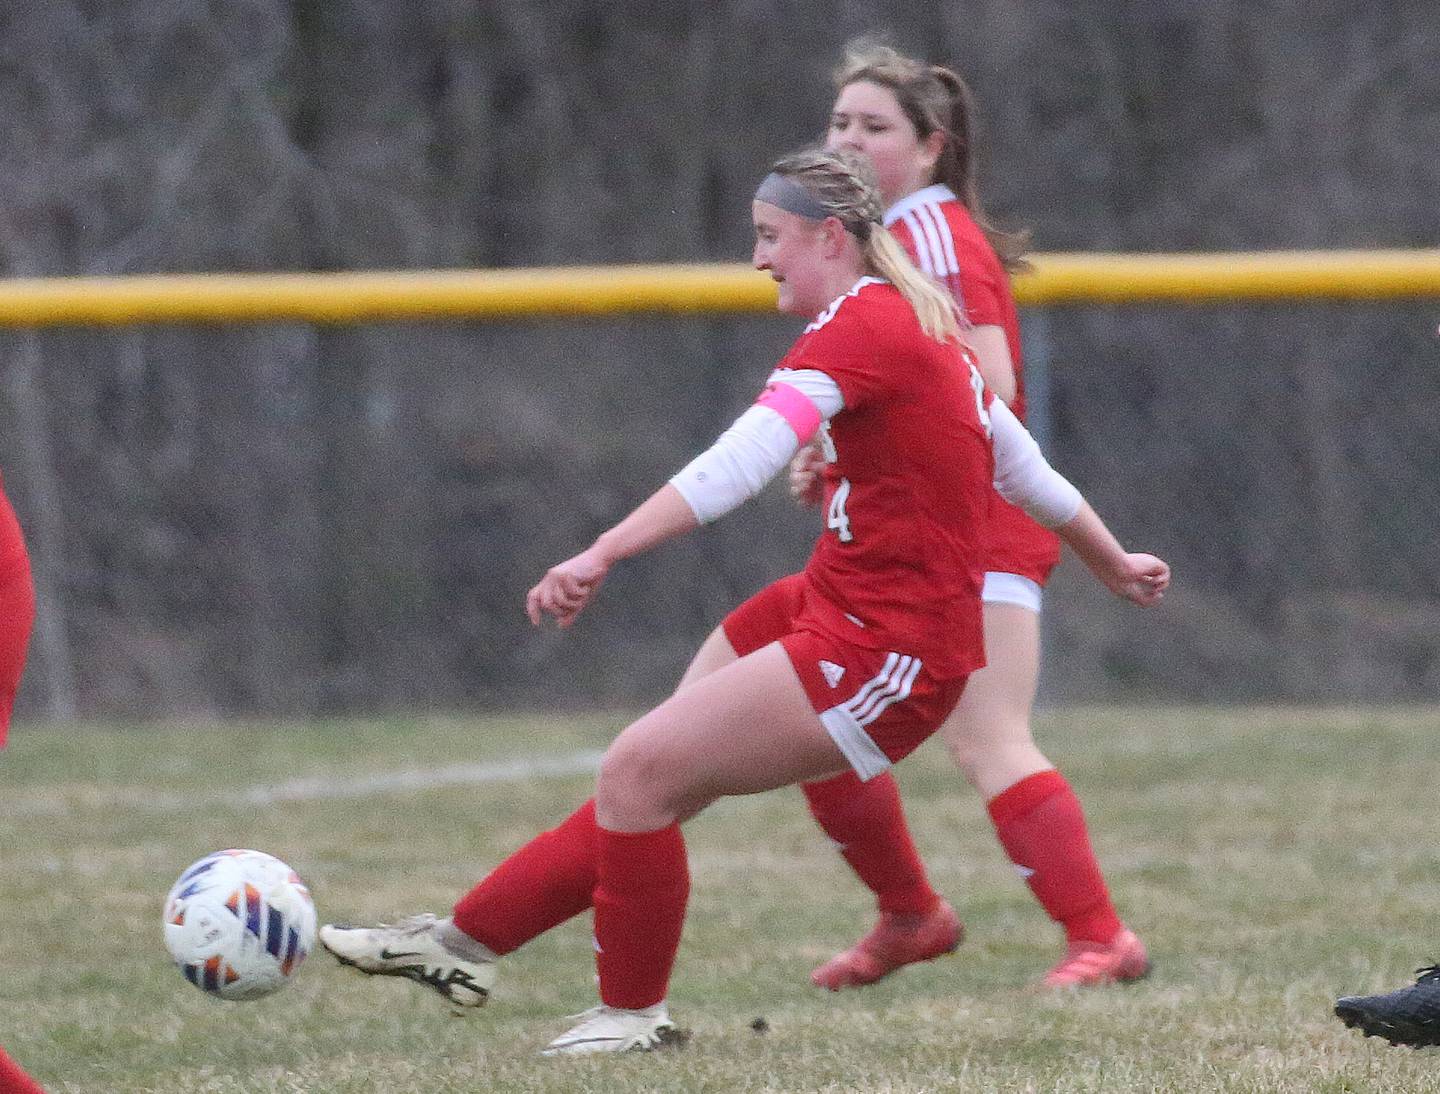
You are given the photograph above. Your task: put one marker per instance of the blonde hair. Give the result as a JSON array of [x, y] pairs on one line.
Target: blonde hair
[[844, 185], [935, 99]]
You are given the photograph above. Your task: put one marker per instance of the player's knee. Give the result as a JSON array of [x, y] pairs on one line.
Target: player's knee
[[969, 758], [634, 791], [982, 756], [622, 772]]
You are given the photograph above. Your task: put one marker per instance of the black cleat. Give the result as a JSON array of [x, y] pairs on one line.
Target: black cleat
[[1406, 1016]]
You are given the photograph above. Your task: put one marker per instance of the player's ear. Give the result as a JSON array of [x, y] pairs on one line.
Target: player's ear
[[833, 229], [931, 149]]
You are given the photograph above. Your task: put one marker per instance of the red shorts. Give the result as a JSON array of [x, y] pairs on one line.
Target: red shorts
[[17, 610], [877, 705]]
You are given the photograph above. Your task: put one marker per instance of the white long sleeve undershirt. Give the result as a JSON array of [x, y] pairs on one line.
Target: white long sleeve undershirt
[[1024, 477], [761, 442]]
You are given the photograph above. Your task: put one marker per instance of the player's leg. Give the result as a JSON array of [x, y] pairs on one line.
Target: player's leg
[[548, 880], [743, 729], [1406, 1016], [765, 617], [553, 877], [1036, 814], [772, 718], [15, 1081], [988, 734], [866, 823], [714, 653], [17, 614], [17, 610], [864, 820]]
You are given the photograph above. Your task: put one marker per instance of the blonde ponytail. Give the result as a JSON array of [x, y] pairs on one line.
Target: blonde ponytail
[[934, 307], [843, 185]]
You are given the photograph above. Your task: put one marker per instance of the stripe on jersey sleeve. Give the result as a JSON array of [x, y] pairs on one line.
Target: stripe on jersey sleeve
[[947, 238], [922, 244]]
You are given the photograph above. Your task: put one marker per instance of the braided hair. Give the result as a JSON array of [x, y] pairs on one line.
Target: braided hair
[[844, 185]]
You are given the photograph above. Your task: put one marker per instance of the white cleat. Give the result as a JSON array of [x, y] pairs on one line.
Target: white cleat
[[411, 949], [610, 1029]]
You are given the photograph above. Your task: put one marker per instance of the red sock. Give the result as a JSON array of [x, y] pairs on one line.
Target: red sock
[[867, 822], [639, 914], [540, 886], [15, 1081], [1042, 828]]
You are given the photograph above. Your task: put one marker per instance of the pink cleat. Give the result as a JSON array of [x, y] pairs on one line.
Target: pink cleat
[[897, 940], [1087, 964]]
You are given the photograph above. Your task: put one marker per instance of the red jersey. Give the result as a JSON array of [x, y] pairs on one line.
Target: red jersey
[[944, 241], [17, 609], [907, 484]]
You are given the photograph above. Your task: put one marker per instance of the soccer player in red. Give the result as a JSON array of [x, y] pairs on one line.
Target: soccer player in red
[[914, 122], [860, 662], [17, 615]]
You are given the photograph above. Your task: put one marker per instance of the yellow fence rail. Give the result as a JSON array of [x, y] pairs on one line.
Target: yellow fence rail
[[702, 288]]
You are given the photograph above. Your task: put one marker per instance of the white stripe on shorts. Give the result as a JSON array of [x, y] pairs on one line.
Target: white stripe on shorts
[[876, 688], [896, 690], [1012, 589], [846, 721], [863, 754]]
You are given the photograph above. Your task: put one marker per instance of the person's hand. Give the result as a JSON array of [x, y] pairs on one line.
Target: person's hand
[[566, 588], [807, 479], [1142, 579]]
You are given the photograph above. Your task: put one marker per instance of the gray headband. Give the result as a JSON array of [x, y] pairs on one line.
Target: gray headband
[[783, 192]]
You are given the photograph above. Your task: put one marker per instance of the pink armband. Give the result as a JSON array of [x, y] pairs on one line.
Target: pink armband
[[791, 404]]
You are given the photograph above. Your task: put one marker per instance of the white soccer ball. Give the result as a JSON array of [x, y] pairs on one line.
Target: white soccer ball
[[239, 923]]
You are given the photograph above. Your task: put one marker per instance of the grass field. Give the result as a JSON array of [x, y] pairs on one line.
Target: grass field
[[1271, 859]]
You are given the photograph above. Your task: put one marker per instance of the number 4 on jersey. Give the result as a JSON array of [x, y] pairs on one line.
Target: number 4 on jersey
[[835, 517]]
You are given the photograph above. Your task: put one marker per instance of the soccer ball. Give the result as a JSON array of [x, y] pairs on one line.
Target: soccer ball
[[238, 923]]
